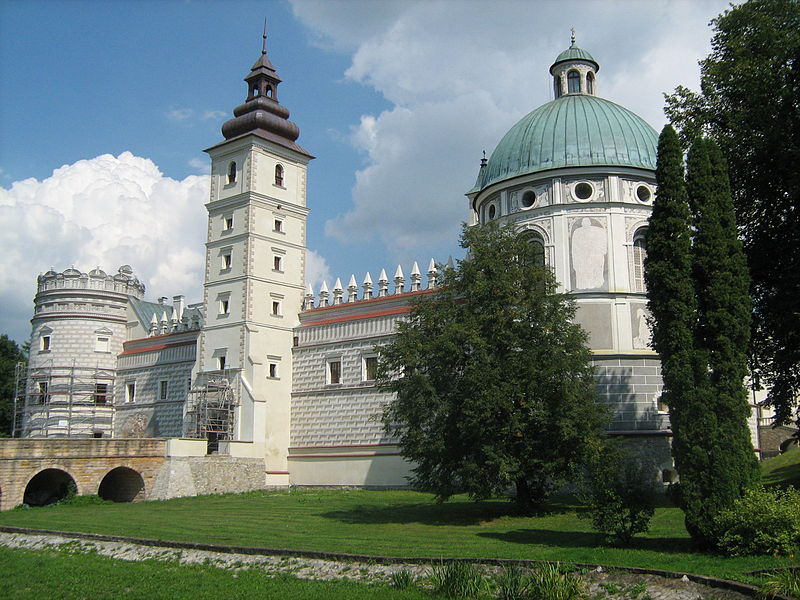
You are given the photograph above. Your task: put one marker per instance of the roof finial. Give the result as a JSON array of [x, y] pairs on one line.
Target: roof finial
[[264, 38], [483, 160], [572, 37]]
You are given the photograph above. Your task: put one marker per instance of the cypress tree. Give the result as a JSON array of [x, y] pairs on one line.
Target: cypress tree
[[697, 293], [722, 333]]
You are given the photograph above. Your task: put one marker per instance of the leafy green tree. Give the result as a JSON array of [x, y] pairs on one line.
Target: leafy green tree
[[748, 103], [493, 381], [10, 355]]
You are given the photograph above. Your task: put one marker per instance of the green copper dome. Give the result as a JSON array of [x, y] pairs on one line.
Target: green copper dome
[[574, 53], [575, 130]]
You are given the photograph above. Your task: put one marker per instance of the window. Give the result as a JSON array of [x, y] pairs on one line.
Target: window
[[276, 308], [573, 82], [221, 363], [232, 172], [639, 255], [44, 343], [228, 223], [278, 226], [224, 306], [661, 406], [273, 370], [277, 263], [334, 371], [492, 211], [44, 397], [255, 91], [528, 199], [557, 84], [370, 368], [589, 83], [269, 91], [130, 392], [583, 190], [227, 261], [100, 393], [164, 389], [643, 193], [102, 344], [279, 175]]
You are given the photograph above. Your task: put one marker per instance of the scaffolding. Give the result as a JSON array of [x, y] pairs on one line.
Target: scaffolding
[[53, 400], [211, 409]]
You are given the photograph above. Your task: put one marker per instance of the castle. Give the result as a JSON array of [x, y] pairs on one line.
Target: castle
[[274, 377]]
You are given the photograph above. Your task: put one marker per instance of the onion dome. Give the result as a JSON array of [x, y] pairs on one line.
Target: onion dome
[[262, 114], [98, 273], [72, 272], [572, 54]]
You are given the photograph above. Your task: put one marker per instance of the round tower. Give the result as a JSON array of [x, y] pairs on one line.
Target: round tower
[[577, 178], [78, 327]]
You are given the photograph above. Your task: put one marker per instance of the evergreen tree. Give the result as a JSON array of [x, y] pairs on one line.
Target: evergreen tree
[[497, 386], [10, 355], [697, 290]]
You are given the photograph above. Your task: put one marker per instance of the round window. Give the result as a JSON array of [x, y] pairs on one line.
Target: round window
[[492, 211], [643, 193], [584, 191], [528, 199]]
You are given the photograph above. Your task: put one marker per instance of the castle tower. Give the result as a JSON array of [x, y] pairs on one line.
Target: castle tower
[[255, 266], [79, 325], [577, 177]]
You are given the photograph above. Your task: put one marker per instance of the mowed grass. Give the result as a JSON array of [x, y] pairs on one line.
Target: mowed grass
[[34, 575], [782, 470], [391, 523]]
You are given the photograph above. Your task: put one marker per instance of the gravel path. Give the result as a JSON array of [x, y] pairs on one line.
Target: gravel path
[[612, 585]]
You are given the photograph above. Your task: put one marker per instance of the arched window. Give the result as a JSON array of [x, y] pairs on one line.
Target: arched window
[[255, 91], [589, 83], [279, 175], [557, 86], [537, 248], [269, 91], [573, 82], [639, 254], [232, 172]]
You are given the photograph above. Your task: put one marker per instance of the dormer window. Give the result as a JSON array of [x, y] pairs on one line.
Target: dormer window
[[590, 83], [232, 172], [573, 82], [279, 175]]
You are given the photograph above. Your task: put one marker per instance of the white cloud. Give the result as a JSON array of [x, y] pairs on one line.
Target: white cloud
[[201, 165], [180, 114], [214, 115], [106, 211], [459, 74], [317, 269]]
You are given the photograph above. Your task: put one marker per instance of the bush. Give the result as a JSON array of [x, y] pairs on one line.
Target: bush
[[621, 495], [511, 583], [761, 522], [403, 579], [785, 582], [457, 580]]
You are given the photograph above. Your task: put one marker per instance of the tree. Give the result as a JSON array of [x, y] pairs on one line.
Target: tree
[[750, 104], [697, 293], [493, 382], [10, 355]]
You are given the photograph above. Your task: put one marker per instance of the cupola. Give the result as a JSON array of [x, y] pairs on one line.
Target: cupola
[[262, 114], [574, 72]]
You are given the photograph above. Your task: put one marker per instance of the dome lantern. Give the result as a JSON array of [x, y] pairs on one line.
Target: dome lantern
[[574, 71]]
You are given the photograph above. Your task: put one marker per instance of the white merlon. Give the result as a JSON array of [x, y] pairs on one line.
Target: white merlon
[[352, 289], [383, 284], [324, 294], [367, 286], [338, 292], [399, 281], [432, 271]]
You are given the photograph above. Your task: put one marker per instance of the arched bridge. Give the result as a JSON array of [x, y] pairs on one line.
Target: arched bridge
[[40, 471]]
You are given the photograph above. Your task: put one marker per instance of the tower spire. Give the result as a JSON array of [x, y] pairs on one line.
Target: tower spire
[[571, 37], [264, 39]]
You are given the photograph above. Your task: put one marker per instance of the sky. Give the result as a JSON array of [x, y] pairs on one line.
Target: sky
[[106, 107]]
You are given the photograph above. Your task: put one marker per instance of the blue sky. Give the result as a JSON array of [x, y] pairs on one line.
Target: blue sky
[[397, 99]]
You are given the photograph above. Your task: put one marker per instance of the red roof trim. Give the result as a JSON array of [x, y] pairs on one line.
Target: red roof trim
[[369, 301], [379, 313], [159, 347]]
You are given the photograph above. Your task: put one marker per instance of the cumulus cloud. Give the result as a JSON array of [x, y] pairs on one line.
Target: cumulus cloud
[[105, 211], [459, 74], [180, 114], [317, 269]]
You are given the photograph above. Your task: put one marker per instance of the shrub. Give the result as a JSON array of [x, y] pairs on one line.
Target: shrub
[[457, 580], [761, 522], [547, 582], [621, 495]]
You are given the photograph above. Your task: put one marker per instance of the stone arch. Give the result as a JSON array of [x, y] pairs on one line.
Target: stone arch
[[121, 484], [788, 444], [48, 486]]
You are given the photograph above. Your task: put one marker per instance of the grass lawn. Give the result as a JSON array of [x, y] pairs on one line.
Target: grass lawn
[[34, 575], [782, 470], [393, 523]]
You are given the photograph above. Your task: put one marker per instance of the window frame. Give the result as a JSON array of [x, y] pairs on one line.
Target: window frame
[[130, 392], [366, 360], [333, 376], [573, 76], [231, 174]]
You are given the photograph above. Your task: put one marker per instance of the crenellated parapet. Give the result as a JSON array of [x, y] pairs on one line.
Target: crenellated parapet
[[123, 282], [398, 285]]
